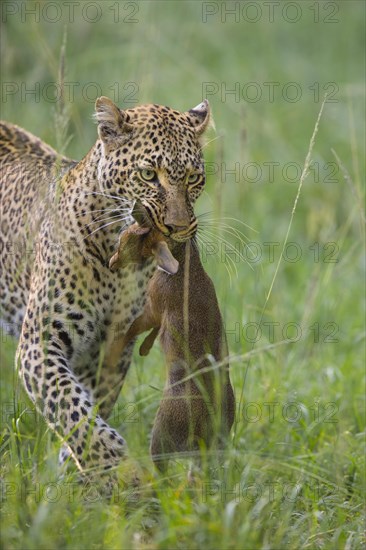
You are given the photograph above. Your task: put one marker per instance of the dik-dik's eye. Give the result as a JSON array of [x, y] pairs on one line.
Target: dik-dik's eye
[[148, 174], [194, 179]]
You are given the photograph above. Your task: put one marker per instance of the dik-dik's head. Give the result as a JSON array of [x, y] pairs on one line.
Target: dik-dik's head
[[153, 154]]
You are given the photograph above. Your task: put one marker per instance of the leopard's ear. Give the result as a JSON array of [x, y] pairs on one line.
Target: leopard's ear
[[200, 117], [112, 122]]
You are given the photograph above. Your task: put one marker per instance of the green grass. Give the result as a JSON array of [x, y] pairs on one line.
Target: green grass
[[293, 474]]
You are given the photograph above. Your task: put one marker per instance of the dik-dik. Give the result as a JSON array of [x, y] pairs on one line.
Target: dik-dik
[[198, 401]]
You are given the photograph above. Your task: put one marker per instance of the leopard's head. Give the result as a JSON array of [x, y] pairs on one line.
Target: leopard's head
[[154, 154]]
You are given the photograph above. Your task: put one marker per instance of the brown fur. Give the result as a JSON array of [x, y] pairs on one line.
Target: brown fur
[[198, 401]]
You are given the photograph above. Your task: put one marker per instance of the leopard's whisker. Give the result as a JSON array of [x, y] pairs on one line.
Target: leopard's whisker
[[101, 219], [119, 220], [235, 233], [222, 240], [235, 220], [227, 265], [206, 241], [243, 238], [120, 209], [204, 214], [229, 229], [229, 245], [226, 227]]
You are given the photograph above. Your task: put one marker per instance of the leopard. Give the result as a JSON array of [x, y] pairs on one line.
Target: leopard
[[60, 223]]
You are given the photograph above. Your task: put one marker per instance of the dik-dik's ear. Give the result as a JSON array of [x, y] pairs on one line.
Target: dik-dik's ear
[[113, 128], [200, 117]]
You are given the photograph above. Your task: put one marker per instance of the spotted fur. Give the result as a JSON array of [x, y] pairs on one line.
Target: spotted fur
[[60, 222]]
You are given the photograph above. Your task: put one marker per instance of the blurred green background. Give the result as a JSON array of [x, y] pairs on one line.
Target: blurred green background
[[264, 66]]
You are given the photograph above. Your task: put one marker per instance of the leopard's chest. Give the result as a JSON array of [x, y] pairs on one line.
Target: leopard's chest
[[114, 301], [130, 293], [88, 302]]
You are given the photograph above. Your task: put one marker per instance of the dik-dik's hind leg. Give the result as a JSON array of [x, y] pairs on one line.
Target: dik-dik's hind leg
[[143, 323], [148, 343]]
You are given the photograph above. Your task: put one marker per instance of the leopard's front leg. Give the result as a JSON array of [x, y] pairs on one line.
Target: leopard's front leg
[[44, 353]]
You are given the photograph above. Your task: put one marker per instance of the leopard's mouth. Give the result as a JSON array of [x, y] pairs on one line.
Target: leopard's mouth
[[184, 235], [141, 214], [146, 216]]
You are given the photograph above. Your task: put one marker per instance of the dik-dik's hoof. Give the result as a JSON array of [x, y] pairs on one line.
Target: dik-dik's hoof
[[147, 344]]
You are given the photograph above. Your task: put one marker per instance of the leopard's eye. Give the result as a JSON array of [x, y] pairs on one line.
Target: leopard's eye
[[148, 174], [194, 178]]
